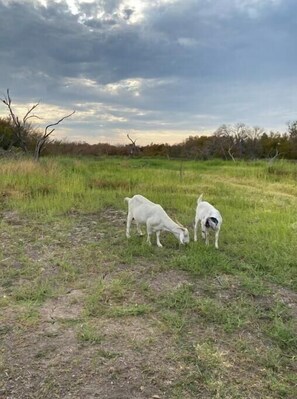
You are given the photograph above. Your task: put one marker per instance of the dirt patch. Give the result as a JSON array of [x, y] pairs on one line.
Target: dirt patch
[[114, 216], [67, 307], [168, 281], [51, 348], [141, 360], [286, 296], [225, 287], [12, 218], [51, 362]]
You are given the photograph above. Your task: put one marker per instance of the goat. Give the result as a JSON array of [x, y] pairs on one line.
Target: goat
[[210, 218], [143, 211]]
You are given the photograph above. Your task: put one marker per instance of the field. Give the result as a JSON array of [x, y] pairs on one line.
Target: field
[[86, 313]]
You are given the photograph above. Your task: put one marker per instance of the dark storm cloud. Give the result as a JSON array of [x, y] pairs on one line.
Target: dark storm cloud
[[228, 60]]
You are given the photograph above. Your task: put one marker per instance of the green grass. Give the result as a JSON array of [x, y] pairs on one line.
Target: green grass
[[89, 334], [189, 321]]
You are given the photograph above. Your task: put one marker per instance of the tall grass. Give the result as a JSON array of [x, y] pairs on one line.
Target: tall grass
[[258, 201]]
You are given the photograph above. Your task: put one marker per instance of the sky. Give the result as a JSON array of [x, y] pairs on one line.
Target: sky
[[158, 70]]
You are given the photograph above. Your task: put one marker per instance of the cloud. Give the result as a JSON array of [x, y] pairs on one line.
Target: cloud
[[153, 66]]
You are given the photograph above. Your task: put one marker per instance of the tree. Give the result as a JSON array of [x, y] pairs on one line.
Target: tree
[[197, 147], [134, 150], [44, 139], [23, 132], [252, 143], [232, 139], [6, 133], [20, 127], [292, 131], [225, 141]]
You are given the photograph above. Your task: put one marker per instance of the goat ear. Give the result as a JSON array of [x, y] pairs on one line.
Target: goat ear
[[181, 237]]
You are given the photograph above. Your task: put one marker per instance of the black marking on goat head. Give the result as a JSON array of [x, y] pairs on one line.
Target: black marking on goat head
[[211, 223]]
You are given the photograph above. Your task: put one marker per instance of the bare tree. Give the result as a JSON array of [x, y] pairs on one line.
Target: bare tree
[[274, 157], [231, 154], [21, 128], [240, 133], [44, 139], [253, 142], [225, 141], [232, 139], [134, 150]]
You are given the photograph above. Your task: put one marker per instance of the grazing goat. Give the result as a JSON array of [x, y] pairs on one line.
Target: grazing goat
[[156, 219], [210, 218]]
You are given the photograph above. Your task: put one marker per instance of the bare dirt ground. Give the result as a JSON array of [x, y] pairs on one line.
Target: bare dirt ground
[[51, 347]]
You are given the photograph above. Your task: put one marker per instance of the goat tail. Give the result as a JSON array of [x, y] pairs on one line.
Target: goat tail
[[199, 199], [127, 199]]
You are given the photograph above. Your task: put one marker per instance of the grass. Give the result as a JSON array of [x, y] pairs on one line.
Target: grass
[[182, 322], [89, 334]]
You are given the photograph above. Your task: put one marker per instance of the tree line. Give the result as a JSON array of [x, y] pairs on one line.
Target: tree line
[[230, 142]]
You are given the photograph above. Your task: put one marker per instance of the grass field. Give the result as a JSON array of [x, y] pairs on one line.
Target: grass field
[[86, 313]]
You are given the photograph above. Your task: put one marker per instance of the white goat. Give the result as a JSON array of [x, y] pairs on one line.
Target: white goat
[[210, 218], [156, 219]]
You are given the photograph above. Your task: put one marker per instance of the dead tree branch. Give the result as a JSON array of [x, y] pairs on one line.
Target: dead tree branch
[[230, 153], [44, 139], [271, 160], [134, 150], [20, 128]]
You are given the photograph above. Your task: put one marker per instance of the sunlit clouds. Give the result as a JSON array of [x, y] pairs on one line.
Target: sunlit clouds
[[162, 69]]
